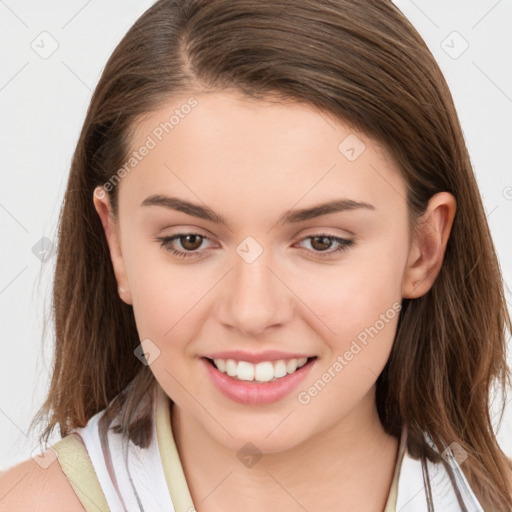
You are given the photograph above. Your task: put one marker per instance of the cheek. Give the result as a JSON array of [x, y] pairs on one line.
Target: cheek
[[156, 289], [361, 308], [164, 305], [167, 296], [356, 304]]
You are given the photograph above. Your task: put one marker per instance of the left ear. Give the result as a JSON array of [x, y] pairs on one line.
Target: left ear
[[428, 248]]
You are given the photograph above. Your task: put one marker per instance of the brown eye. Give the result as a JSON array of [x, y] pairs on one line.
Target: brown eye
[[321, 243], [183, 245], [191, 242]]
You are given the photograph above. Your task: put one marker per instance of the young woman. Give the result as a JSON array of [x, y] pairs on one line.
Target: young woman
[[276, 287]]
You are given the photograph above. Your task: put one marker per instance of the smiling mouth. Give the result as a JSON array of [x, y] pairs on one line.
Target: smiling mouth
[[266, 371]]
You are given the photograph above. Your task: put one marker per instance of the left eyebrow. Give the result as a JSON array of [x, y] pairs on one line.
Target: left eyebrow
[[290, 217]]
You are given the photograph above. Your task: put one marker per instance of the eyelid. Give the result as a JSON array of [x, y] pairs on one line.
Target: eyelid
[[343, 244]]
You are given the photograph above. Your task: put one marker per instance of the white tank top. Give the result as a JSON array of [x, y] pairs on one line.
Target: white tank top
[[152, 479]]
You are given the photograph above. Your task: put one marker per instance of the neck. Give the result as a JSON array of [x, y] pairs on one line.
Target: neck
[[349, 466]]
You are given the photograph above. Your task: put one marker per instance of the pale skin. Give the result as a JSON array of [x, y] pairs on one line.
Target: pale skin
[[252, 162]]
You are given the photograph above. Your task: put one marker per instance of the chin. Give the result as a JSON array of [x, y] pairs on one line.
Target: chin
[[264, 439]]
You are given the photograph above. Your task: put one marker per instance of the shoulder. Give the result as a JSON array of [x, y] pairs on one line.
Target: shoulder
[[34, 486]]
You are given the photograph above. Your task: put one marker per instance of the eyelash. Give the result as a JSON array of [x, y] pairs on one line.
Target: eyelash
[[345, 244]]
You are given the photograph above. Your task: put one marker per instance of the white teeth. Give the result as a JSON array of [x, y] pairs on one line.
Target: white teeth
[[220, 364], [291, 366], [230, 367], [280, 369], [245, 371], [266, 371]]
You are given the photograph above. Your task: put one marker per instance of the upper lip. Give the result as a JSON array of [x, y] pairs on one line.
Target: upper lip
[[268, 355]]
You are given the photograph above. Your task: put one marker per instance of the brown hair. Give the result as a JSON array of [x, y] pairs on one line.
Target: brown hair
[[359, 61]]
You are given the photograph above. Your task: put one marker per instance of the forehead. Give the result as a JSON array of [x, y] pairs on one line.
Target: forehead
[[226, 147]]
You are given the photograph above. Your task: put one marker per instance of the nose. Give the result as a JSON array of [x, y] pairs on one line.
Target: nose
[[254, 296]]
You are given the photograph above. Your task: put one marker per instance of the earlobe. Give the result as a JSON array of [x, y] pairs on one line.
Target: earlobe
[[427, 250], [102, 205]]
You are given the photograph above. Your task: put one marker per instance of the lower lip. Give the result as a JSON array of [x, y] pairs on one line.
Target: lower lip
[[254, 393]]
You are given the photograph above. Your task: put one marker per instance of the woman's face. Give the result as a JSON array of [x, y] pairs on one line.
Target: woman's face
[[272, 276]]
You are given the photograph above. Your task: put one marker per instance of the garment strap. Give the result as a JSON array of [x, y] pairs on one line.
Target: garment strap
[[76, 465], [393, 492]]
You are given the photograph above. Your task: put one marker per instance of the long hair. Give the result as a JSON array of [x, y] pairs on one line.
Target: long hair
[[362, 62]]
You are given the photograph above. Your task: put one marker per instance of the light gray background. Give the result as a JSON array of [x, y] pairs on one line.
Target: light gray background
[[43, 100]]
